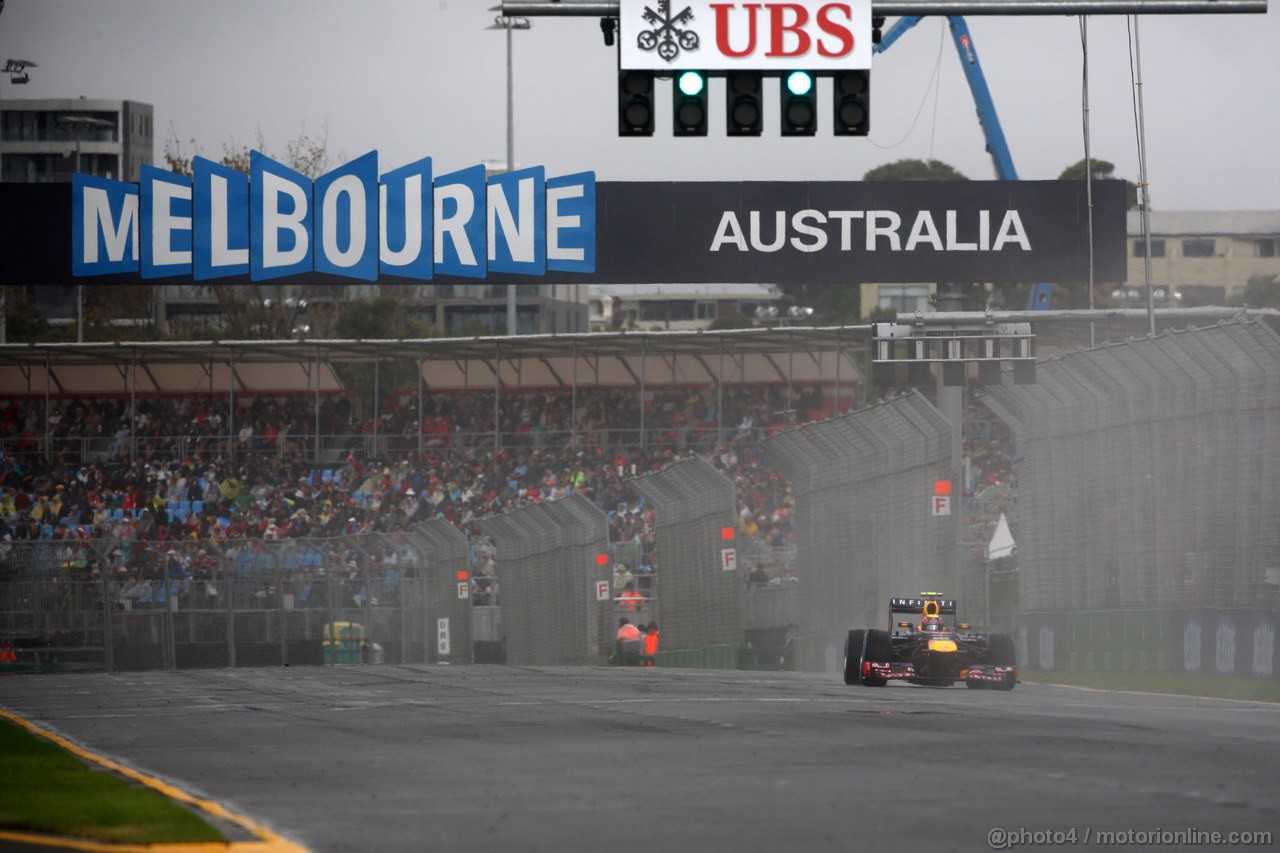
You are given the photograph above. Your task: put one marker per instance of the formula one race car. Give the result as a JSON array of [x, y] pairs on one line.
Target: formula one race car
[[929, 653]]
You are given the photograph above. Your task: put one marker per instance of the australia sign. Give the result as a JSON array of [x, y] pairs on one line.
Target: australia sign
[[351, 222]]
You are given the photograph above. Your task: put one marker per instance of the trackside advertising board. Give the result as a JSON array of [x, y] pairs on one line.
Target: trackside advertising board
[[706, 35], [410, 224]]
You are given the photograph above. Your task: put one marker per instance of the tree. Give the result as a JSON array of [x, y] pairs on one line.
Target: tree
[[305, 153], [1101, 171], [382, 318], [1261, 291], [914, 170]]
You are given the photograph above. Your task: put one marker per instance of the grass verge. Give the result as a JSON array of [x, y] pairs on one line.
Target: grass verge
[[1182, 684], [45, 789]]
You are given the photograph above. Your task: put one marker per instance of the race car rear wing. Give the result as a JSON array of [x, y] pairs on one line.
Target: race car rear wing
[[946, 606]]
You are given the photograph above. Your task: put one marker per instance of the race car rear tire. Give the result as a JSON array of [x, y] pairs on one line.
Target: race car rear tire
[[853, 655], [878, 648], [1000, 652]]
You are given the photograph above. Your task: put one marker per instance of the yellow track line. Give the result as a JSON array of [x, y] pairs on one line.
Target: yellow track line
[[266, 840]]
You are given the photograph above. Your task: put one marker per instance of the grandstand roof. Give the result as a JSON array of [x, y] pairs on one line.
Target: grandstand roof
[[624, 358]]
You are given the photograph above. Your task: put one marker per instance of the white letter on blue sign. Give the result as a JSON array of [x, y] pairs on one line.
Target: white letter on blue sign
[[220, 201], [406, 208], [347, 219], [518, 236], [104, 216], [280, 201], [460, 223], [166, 223], [571, 223]]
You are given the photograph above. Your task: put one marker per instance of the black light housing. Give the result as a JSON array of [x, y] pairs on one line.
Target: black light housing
[[635, 103], [852, 95], [689, 104], [799, 111], [744, 107]]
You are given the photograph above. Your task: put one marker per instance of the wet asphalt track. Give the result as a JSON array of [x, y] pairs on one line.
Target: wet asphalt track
[[489, 758]]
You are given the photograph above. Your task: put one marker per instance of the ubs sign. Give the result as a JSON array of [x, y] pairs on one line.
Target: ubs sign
[[713, 35], [275, 222]]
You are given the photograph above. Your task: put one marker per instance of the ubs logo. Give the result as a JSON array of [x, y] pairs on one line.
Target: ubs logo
[[724, 35], [668, 35]]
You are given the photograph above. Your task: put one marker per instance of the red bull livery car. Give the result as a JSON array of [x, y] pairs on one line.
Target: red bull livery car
[[929, 651]]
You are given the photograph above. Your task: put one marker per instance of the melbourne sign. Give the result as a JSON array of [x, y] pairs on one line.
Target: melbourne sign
[[706, 35], [412, 225], [275, 222]]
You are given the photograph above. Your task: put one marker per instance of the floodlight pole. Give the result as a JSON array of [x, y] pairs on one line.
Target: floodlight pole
[[78, 124], [509, 23]]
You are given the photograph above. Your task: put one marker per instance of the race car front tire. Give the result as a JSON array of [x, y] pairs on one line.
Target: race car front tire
[[878, 648], [853, 656], [1000, 652]]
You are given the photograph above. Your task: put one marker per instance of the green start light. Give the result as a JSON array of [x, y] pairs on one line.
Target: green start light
[[691, 83], [799, 82]]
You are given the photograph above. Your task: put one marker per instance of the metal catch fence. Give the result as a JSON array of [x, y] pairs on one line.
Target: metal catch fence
[[112, 604], [549, 570], [1145, 478], [862, 483], [700, 588]]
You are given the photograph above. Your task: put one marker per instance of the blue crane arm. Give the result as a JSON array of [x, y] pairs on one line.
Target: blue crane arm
[[988, 119], [1041, 295]]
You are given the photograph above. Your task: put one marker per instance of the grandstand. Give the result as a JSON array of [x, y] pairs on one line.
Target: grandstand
[[225, 503]]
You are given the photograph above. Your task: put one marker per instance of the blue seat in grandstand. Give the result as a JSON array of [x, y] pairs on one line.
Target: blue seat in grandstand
[[46, 531], [179, 509], [197, 507], [312, 557], [117, 514], [326, 476]]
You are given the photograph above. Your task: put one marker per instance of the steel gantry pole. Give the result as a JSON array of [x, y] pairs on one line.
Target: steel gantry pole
[[895, 8]]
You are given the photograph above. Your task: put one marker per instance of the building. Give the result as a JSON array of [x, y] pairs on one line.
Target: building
[[450, 309], [677, 307], [1197, 258], [1206, 256], [41, 139]]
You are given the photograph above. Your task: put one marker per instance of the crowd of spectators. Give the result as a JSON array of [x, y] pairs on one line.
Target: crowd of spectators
[[160, 469], [163, 468]]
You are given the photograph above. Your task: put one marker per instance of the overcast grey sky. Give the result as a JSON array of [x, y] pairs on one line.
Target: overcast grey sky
[[413, 78]]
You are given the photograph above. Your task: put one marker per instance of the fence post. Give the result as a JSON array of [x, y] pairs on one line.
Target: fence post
[[334, 586], [231, 616], [284, 621], [366, 654], [402, 612], [168, 647], [108, 649]]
